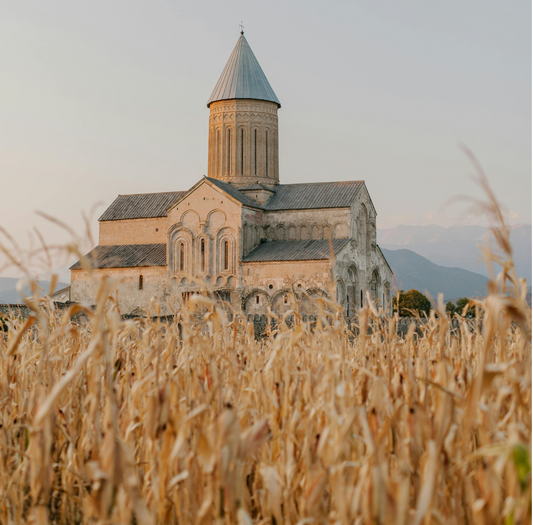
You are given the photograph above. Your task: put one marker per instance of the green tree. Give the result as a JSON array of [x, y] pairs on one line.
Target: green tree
[[450, 308], [460, 305], [412, 303]]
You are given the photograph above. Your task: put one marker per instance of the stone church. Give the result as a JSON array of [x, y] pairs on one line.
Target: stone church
[[238, 233]]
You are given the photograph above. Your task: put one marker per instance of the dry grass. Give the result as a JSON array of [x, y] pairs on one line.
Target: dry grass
[[112, 421]]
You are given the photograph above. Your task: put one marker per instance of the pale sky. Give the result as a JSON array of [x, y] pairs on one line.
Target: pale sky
[[109, 97]]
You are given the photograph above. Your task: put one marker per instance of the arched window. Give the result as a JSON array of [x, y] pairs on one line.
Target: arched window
[[242, 151], [182, 257], [266, 153], [218, 159], [226, 255], [141, 282], [202, 255], [375, 284], [255, 152], [229, 151]]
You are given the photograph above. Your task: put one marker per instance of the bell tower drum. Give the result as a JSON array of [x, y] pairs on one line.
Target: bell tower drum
[[243, 123]]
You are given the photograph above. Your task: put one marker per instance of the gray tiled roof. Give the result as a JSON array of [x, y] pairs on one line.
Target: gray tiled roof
[[140, 206], [126, 256], [234, 192], [314, 195], [295, 250], [256, 186], [243, 77], [286, 197]]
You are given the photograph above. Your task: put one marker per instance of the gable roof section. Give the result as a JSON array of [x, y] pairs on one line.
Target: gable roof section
[[140, 206], [243, 77], [125, 256], [234, 192], [295, 250], [314, 195]]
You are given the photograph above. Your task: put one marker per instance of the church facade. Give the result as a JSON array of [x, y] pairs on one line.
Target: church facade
[[238, 233]]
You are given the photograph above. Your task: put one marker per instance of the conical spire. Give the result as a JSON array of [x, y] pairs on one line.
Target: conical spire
[[243, 77]]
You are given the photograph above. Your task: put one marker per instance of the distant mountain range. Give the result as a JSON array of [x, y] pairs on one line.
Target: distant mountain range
[[414, 271], [10, 295], [457, 246]]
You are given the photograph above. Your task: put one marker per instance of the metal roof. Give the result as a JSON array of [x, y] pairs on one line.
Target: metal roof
[[314, 195], [140, 206], [243, 77], [295, 250], [125, 256], [286, 197], [256, 186], [234, 192]]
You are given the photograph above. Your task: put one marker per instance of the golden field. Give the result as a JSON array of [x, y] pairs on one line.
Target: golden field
[[194, 421]]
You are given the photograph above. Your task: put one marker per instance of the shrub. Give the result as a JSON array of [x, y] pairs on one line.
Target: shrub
[[412, 303]]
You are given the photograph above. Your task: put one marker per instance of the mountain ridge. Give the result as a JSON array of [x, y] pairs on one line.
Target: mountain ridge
[[458, 246], [412, 270]]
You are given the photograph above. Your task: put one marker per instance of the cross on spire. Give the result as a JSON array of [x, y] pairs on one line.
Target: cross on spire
[[242, 28]]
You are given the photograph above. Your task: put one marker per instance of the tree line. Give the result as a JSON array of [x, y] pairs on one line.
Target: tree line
[[414, 303]]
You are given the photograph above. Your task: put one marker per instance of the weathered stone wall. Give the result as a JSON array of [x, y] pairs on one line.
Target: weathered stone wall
[[269, 284], [133, 231], [201, 225], [131, 300], [360, 266], [243, 142], [295, 225], [19, 310], [356, 273], [251, 229]]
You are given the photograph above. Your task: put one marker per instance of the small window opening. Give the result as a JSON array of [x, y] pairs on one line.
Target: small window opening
[[242, 151], [141, 282], [229, 151], [226, 255], [361, 298], [248, 271], [256, 299], [285, 299], [271, 286], [266, 153], [347, 305], [182, 257], [218, 162], [255, 152], [157, 229], [202, 256]]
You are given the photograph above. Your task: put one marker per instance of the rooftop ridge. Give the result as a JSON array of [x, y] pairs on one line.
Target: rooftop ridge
[[150, 193], [322, 182]]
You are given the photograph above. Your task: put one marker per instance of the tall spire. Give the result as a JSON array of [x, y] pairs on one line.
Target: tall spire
[[243, 77]]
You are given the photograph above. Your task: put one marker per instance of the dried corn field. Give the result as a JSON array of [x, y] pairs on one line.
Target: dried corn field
[[107, 420], [113, 421]]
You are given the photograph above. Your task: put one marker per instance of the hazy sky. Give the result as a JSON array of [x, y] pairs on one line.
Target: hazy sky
[[106, 97]]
